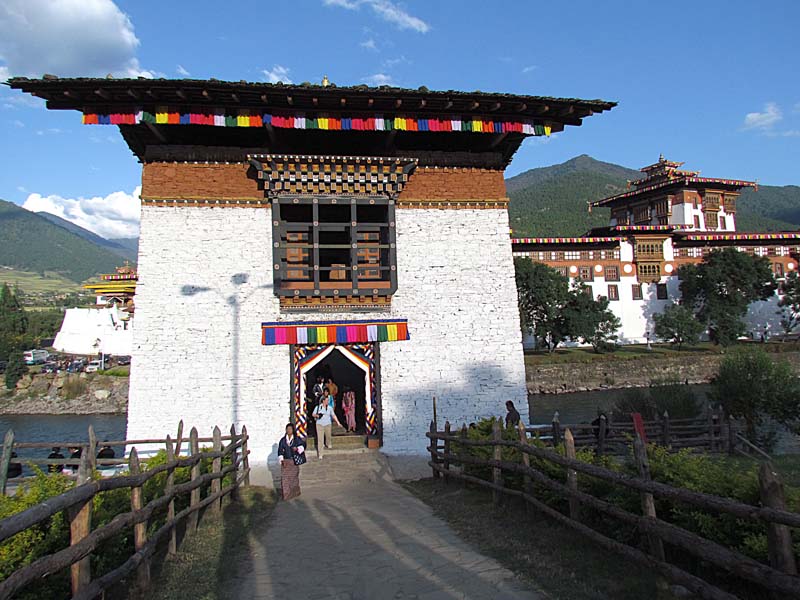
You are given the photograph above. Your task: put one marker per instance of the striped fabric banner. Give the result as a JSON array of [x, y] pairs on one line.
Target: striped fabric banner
[[246, 118], [334, 332]]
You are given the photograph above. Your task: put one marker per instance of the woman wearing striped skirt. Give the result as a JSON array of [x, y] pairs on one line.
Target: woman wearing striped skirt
[[291, 454]]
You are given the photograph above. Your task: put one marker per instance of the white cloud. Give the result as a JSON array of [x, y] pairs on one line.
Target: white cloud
[[115, 216], [18, 123], [67, 38], [4, 73], [763, 120], [378, 79], [393, 62], [369, 44], [181, 71], [277, 74], [529, 69], [386, 10], [50, 131]]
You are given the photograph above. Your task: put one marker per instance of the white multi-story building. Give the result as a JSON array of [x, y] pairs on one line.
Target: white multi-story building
[[670, 218]]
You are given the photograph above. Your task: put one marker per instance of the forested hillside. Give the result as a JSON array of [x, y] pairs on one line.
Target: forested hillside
[[29, 242]]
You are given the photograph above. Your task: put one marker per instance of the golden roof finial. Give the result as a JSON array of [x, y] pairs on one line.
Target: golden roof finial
[[325, 82], [660, 158]]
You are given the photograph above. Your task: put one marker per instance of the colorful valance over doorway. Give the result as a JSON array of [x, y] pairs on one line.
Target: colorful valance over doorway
[[334, 332]]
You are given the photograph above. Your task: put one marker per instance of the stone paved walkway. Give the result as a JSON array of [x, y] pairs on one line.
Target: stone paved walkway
[[355, 534]]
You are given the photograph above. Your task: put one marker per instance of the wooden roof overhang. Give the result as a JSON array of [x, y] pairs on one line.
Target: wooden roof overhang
[[107, 96], [562, 243], [671, 186]]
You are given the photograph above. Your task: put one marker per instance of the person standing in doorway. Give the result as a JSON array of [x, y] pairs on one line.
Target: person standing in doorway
[[324, 415], [349, 408], [333, 388]]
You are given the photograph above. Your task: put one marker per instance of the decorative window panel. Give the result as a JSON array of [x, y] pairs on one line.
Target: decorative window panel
[[585, 273], [613, 292], [661, 291], [636, 291], [612, 273]]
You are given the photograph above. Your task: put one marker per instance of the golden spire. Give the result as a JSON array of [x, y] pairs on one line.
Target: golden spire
[[325, 82]]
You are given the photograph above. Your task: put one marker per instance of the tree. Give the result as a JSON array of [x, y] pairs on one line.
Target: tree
[[13, 322], [750, 385], [790, 302], [15, 370], [542, 293], [720, 288], [678, 325], [589, 321]]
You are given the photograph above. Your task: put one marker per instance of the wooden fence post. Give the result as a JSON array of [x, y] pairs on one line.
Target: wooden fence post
[[556, 430], [731, 437], [447, 453], [216, 468], [779, 537], [5, 461], [194, 495], [80, 525], [665, 434], [710, 425], [572, 474], [497, 472], [173, 534], [602, 432], [435, 419], [245, 456], [179, 439], [526, 460], [434, 446], [648, 504], [462, 450], [139, 529], [92, 450], [234, 459]]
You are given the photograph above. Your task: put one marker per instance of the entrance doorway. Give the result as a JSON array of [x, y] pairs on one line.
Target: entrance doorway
[[351, 366]]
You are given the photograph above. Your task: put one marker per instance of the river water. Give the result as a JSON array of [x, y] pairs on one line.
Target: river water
[[60, 428]]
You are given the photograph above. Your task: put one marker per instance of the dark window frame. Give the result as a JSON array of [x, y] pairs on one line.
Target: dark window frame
[[613, 292], [636, 291], [662, 293], [319, 280], [611, 273]]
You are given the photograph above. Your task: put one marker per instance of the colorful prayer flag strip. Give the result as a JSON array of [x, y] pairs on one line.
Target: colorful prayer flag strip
[[334, 332]]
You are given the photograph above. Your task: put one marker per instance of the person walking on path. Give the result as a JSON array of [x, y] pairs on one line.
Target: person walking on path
[[512, 417], [349, 408], [324, 415], [291, 454]]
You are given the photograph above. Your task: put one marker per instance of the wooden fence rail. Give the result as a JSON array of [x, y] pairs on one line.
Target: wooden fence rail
[[712, 433], [779, 577], [78, 502]]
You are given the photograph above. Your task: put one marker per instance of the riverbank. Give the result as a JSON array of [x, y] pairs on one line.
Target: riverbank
[[639, 371], [78, 394]]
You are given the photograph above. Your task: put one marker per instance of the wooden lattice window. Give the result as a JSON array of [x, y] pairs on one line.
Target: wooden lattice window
[[611, 273], [613, 292], [585, 274], [636, 291], [661, 291], [341, 246]]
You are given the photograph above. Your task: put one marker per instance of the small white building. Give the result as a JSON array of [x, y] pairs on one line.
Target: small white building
[[94, 331]]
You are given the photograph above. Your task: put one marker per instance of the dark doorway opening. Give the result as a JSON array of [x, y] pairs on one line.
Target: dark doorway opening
[[345, 375]]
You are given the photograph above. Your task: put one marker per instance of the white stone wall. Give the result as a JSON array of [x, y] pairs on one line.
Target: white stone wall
[[456, 287], [204, 289]]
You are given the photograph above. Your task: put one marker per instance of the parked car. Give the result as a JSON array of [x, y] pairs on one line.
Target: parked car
[[50, 367], [123, 360], [35, 357], [93, 366], [76, 366]]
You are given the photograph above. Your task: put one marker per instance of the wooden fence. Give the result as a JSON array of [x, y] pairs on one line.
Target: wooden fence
[[779, 577], [78, 502], [712, 433]]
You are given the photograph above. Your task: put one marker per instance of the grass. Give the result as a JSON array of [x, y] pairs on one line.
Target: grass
[[636, 351], [207, 561], [549, 556], [120, 371], [33, 283], [787, 466]]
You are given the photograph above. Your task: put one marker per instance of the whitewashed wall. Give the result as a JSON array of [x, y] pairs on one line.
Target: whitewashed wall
[[205, 288]]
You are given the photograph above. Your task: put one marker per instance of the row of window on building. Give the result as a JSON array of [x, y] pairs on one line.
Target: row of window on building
[[636, 291]]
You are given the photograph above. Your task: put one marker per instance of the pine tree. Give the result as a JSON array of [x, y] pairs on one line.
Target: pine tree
[[13, 322], [15, 370]]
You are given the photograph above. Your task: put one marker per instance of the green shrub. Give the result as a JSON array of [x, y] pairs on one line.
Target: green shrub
[[677, 399], [117, 372], [682, 469]]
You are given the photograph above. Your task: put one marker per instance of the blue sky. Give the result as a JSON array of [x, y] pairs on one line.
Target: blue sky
[[712, 83]]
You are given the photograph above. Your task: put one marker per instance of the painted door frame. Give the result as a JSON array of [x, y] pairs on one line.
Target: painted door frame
[[304, 358]]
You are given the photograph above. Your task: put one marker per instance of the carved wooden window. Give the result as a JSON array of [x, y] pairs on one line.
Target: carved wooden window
[[612, 273], [711, 202], [325, 246], [697, 221], [636, 291], [613, 292], [585, 274], [661, 291], [562, 271], [711, 219], [777, 268], [649, 271]]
